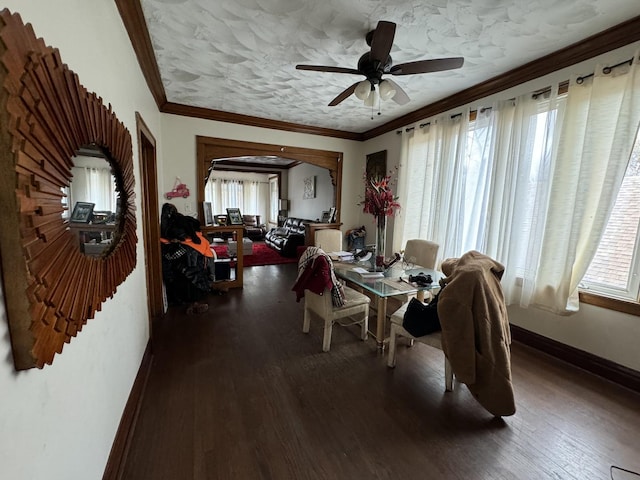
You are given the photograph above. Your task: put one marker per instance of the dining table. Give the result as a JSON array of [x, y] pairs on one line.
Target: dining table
[[392, 283]]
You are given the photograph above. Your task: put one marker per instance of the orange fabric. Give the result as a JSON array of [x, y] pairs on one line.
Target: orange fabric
[[203, 247]]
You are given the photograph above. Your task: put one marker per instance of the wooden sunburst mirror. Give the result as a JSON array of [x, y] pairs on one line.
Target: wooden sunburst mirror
[[51, 288]]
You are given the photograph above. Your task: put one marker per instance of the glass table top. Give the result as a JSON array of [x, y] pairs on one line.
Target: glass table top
[[394, 281]]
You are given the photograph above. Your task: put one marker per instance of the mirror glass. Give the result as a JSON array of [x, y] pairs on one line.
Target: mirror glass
[[92, 202]]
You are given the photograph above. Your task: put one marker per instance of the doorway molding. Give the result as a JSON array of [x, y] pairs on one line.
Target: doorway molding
[[211, 148]]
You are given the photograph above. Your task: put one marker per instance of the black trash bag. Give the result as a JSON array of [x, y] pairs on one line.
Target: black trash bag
[[420, 318]]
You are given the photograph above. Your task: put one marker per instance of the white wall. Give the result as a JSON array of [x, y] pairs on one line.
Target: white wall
[[310, 208], [605, 333], [60, 422]]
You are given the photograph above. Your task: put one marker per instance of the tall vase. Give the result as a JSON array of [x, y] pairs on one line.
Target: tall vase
[[381, 237]]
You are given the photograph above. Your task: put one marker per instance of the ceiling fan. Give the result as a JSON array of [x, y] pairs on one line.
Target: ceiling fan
[[376, 63]]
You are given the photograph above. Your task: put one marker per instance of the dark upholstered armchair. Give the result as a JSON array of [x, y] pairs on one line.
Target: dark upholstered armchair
[[253, 227]]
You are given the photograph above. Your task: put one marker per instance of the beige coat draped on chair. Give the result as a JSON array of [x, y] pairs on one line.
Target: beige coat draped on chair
[[475, 330]]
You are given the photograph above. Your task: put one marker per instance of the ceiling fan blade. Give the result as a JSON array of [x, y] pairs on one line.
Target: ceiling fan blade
[[382, 41], [343, 95], [427, 66], [323, 68], [401, 97]]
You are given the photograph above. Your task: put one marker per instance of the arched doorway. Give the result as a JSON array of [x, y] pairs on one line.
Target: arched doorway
[[209, 148]]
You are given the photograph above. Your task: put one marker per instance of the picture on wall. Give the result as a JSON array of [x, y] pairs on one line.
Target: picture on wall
[[309, 187], [377, 164]]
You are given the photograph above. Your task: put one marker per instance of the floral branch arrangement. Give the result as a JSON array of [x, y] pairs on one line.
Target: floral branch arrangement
[[379, 200]]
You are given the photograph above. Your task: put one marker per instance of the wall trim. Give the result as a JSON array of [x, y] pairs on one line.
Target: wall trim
[[602, 367], [124, 434], [241, 119]]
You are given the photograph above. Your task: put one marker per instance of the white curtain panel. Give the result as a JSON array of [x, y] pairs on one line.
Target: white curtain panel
[[101, 188], [429, 183], [524, 133], [251, 197], [223, 194], [597, 135]]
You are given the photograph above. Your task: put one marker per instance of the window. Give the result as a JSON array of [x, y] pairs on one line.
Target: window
[[613, 272], [529, 182], [248, 191]]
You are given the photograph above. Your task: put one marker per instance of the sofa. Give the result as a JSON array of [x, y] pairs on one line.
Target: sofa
[[253, 228], [287, 238]]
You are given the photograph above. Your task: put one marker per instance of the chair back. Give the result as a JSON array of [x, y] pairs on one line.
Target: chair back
[[424, 252], [329, 239], [321, 305]]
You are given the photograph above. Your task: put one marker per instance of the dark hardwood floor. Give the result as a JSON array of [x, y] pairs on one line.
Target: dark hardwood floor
[[241, 393]]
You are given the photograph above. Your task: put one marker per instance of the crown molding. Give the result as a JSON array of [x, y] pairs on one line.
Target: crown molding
[[136, 26], [228, 117]]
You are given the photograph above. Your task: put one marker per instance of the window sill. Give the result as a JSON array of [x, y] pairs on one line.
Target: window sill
[[625, 306]]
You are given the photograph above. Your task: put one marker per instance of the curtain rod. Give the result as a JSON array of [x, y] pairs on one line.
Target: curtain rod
[[472, 116], [562, 88]]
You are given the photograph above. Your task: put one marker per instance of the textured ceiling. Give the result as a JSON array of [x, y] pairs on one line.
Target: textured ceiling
[[239, 56]]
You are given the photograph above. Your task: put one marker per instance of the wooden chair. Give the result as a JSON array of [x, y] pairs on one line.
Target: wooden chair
[[433, 340]]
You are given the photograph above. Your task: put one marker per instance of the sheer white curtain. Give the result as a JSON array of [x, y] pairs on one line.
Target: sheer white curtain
[[525, 138], [430, 186], [223, 194], [101, 188], [531, 183], [251, 197], [415, 179], [596, 138]]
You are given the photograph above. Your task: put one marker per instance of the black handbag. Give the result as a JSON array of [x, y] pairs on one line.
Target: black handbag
[[421, 319]]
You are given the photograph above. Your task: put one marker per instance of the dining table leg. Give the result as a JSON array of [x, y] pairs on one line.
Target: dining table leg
[[380, 324]]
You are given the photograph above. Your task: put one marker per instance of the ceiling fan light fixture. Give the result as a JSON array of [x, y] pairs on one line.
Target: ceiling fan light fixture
[[387, 90], [363, 90], [372, 99]]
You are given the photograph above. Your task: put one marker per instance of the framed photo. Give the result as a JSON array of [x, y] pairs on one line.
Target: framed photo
[[332, 214], [234, 215], [309, 187], [82, 212], [326, 217], [208, 214], [377, 164]]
